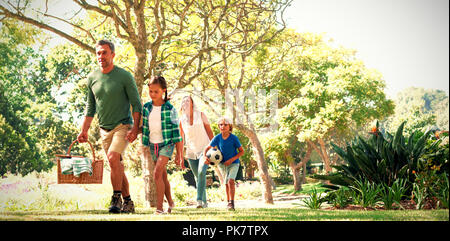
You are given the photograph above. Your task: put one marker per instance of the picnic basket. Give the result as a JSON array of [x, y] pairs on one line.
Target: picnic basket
[[84, 178]]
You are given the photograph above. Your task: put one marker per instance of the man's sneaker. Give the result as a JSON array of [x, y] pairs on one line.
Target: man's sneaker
[[128, 207], [116, 204], [199, 204]]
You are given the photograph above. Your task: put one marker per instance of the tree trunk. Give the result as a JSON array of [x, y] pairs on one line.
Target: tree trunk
[[262, 165], [326, 158], [322, 153], [296, 176], [304, 173], [296, 169], [147, 172]]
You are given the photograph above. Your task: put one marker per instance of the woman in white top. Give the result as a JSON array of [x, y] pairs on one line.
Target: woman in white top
[[197, 134]]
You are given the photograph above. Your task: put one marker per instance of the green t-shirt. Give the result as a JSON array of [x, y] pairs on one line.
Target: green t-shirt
[[110, 96]]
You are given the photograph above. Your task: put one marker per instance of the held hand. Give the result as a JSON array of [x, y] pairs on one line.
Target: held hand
[[207, 160], [180, 162], [228, 162], [131, 135], [82, 137]]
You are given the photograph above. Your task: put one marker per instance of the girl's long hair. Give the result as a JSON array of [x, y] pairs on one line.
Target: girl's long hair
[[161, 82]]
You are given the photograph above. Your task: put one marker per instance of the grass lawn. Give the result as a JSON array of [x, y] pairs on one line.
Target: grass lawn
[[216, 214], [37, 197]]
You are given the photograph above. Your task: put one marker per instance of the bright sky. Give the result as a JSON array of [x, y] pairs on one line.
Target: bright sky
[[406, 40]]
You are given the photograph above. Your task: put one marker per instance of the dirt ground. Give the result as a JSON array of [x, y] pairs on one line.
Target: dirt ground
[[281, 200]]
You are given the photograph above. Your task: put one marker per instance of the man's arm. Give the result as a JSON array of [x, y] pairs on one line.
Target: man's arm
[[132, 134], [83, 136]]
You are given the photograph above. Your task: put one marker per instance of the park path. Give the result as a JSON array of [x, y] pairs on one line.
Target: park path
[[281, 200]]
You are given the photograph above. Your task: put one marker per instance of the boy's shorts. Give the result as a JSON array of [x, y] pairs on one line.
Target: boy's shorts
[[114, 140], [229, 172], [157, 150]]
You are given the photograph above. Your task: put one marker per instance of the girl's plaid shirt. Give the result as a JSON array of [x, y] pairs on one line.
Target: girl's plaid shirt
[[169, 124]]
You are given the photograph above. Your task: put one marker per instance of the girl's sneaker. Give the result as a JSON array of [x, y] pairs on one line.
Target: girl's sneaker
[[159, 212], [230, 206], [171, 207]]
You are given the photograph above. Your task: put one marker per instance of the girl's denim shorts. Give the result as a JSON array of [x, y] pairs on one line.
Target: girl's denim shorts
[[159, 149]]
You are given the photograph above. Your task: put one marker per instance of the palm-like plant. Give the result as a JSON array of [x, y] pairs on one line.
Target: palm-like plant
[[381, 159]]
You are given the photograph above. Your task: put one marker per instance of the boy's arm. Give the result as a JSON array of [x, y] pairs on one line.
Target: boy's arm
[[231, 160]]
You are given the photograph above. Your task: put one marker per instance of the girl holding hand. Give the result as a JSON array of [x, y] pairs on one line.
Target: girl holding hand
[[161, 134]]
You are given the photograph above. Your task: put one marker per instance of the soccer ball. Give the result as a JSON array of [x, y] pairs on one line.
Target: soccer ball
[[215, 156]]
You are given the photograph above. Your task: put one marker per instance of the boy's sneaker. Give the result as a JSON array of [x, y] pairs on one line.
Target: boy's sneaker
[[116, 204], [128, 207], [199, 204]]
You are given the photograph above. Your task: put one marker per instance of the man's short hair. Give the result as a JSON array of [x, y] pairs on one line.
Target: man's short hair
[[107, 42]]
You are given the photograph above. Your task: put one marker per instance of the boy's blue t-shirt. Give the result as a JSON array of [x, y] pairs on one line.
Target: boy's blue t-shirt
[[228, 147]]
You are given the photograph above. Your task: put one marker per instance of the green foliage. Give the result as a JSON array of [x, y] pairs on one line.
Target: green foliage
[[419, 195], [315, 199], [16, 156], [341, 197], [19, 151], [381, 159], [431, 175], [32, 129], [436, 154], [393, 194], [334, 91], [431, 188], [366, 193], [421, 109], [443, 194], [389, 168]]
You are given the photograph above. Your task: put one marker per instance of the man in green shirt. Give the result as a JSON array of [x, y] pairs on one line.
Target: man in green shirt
[[111, 91]]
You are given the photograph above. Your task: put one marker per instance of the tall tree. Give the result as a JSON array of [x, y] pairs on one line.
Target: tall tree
[[331, 93], [26, 107], [182, 39], [421, 109]]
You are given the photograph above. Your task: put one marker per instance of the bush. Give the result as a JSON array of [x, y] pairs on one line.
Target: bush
[[366, 193], [315, 199], [431, 176], [394, 194], [381, 159], [340, 198]]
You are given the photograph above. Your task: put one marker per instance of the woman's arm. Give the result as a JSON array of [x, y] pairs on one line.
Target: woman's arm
[[179, 158], [207, 160], [207, 126], [182, 134]]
